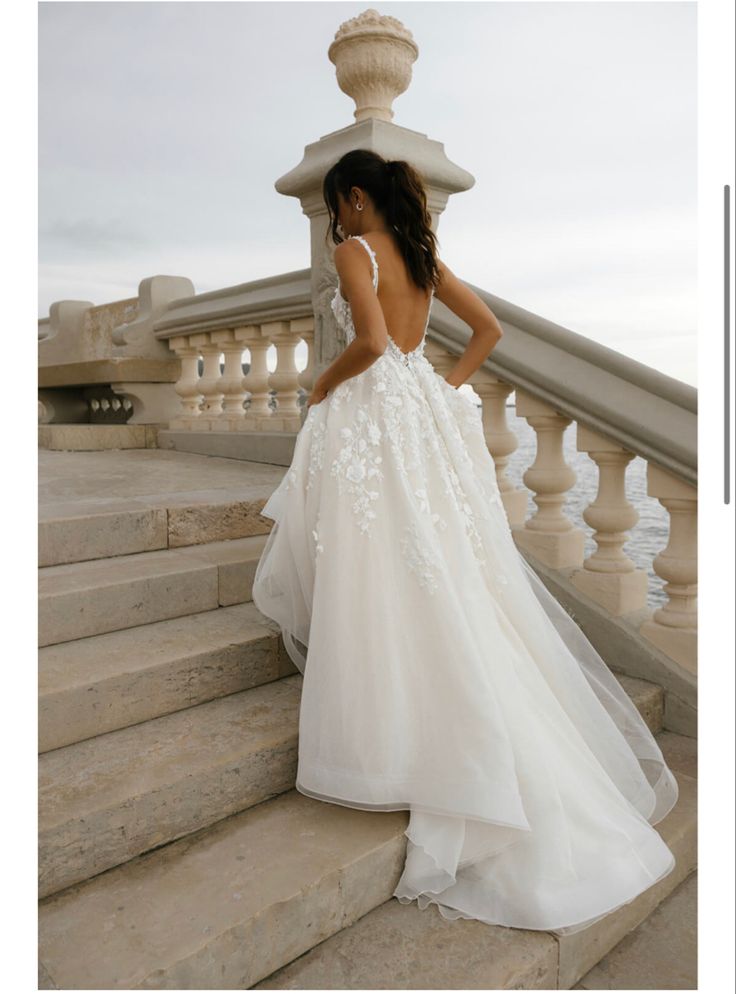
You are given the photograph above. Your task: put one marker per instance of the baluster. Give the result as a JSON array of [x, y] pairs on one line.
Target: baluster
[[501, 439], [673, 628], [258, 412], [284, 379], [209, 382], [609, 576], [187, 386], [232, 382], [549, 534], [303, 328]]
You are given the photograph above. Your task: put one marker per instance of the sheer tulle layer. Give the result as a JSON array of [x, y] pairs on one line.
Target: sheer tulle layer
[[440, 675]]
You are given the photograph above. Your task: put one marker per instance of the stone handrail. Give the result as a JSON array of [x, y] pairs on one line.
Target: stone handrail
[[644, 410]]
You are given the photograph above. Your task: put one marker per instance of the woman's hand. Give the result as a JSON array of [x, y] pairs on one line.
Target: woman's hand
[[317, 395]]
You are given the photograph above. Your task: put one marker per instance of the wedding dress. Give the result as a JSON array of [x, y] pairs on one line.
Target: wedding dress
[[440, 676]]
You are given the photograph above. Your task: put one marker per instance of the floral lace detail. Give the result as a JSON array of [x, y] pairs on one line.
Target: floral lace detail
[[316, 451], [414, 441], [358, 462], [289, 481], [470, 422], [421, 495], [318, 547], [342, 392], [419, 559]]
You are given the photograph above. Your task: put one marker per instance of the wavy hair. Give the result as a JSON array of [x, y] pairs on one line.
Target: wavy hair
[[398, 193]]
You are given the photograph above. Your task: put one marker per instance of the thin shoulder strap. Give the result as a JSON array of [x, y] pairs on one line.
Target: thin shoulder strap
[[372, 254]]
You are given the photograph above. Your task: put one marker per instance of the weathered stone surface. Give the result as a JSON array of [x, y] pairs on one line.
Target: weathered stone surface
[[660, 954], [226, 907], [400, 947], [213, 522], [648, 697], [91, 438], [98, 684], [105, 595], [108, 799], [680, 752], [154, 477], [236, 561], [45, 983], [112, 531]]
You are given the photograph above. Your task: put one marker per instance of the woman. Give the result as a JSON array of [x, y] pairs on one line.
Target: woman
[[441, 676]]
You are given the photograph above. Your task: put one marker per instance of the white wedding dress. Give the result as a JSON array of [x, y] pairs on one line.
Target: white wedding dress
[[440, 675]]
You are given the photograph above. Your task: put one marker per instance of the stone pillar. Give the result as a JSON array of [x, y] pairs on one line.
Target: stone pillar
[[373, 55]]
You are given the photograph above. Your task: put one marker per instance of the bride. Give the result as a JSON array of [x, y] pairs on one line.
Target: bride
[[440, 676]]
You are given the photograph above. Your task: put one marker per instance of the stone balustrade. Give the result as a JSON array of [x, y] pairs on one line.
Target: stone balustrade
[[222, 398]]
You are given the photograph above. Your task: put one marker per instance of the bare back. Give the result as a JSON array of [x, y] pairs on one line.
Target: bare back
[[404, 305]]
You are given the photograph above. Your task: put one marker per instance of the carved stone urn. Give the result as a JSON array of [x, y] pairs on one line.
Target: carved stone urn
[[373, 54]]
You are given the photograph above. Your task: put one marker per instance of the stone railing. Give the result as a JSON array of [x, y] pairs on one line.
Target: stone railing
[[101, 364], [220, 404], [211, 333]]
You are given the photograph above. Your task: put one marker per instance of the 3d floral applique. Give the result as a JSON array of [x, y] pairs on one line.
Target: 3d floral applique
[[358, 463], [318, 547], [424, 506], [290, 479], [316, 452], [418, 558]]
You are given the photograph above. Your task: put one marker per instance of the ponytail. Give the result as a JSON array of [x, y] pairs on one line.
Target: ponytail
[[398, 193]]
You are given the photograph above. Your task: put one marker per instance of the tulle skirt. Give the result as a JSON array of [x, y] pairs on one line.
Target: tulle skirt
[[441, 676]]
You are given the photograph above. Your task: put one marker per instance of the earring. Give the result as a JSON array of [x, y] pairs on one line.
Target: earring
[[359, 207]]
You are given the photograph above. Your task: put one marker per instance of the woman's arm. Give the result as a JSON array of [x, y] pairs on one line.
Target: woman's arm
[[468, 306], [371, 335]]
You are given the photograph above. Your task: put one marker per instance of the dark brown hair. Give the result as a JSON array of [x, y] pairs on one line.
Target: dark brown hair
[[398, 193]]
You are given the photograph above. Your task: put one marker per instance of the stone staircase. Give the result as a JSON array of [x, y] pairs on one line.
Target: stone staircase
[[174, 850]]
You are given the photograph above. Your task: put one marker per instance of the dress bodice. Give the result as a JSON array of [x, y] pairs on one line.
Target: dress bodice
[[344, 317]]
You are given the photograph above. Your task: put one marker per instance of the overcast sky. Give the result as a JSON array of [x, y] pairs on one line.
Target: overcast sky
[[164, 126]]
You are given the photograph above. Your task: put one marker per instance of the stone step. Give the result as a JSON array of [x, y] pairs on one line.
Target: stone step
[[98, 684], [659, 954], [108, 799], [80, 530], [229, 906], [648, 697], [77, 600], [101, 683], [399, 946]]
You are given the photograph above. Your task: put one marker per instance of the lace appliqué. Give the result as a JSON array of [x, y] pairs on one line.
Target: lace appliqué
[[318, 547], [357, 463], [423, 498], [342, 392], [290, 480], [419, 559], [316, 451]]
